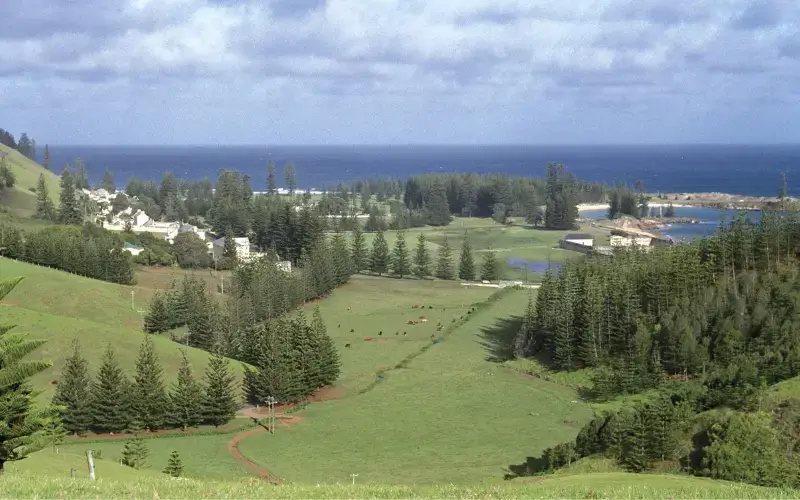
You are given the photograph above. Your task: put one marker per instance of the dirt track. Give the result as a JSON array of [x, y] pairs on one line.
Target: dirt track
[[262, 472]]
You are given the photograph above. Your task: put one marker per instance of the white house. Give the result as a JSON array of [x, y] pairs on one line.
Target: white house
[[284, 265], [242, 248], [140, 218], [630, 241], [579, 239]]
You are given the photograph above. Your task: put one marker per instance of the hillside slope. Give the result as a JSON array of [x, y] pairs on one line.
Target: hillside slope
[[27, 172], [57, 306]]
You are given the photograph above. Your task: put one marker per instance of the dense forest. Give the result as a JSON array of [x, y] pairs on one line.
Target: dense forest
[[707, 325], [87, 251], [24, 145]]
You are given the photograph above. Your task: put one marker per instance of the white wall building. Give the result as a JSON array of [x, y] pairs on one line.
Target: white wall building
[[242, 248], [580, 239]]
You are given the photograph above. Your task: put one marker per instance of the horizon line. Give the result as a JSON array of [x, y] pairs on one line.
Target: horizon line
[[438, 145]]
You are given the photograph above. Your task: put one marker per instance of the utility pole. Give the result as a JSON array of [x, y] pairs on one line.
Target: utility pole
[[133, 303], [354, 477], [270, 402], [141, 315]]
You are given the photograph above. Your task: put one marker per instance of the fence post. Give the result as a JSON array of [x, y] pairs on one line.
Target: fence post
[[90, 460]]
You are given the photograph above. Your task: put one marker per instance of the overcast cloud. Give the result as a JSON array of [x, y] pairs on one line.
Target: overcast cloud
[[400, 71]]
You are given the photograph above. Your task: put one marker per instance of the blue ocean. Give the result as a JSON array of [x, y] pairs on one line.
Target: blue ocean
[[748, 170]]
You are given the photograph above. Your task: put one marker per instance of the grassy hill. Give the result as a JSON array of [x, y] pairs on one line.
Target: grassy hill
[[58, 306], [27, 174], [27, 484]]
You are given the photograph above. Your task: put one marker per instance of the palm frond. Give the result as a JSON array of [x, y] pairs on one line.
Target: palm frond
[[7, 285], [18, 372]]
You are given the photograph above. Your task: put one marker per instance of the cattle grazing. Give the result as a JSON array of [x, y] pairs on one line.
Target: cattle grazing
[[380, 332], [352, 330], [422, 317], [347, 345], [404, 334], [424, 320], [339, 325], [397, 333], [430, 307]]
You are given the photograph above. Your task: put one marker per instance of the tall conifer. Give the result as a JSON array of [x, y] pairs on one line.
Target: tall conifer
[[444, 262], [220, 401], [399, 259], [379, 255], [72, 392], [466, 267], [422, 259], [157, 319], [489, 268], [110, 406], [186, 397], [149, 400], [358, 249], [69, 213]]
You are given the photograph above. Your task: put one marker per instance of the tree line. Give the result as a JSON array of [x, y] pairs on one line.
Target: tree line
[[24, 145], [110, 402], [715, 317], [78, 250]]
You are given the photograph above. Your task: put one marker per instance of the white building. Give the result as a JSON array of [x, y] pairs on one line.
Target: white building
[[630, 241], [284, 265], [242, 248], [579, 239]]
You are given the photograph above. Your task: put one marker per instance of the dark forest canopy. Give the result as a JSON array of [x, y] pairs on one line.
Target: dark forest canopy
[[24, 145], [708, 324], [431, 199]]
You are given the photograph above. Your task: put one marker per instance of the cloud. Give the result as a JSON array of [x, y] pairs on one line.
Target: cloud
[[379, 55]]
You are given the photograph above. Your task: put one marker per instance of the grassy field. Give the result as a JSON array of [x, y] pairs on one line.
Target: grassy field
[[611, 485], [203, 456], [27, 172], [371, 305], [58, 306], [510, 242], [448, 416]]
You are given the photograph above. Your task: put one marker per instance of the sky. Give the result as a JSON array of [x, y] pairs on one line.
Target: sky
[[400, 71]]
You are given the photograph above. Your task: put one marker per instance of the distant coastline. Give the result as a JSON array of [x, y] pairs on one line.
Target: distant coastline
[[717, 201]]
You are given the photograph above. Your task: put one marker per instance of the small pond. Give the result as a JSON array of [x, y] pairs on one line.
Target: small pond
[[534, 267]]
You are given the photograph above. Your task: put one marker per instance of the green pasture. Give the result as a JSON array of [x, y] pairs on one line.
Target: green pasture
[[451, 415]]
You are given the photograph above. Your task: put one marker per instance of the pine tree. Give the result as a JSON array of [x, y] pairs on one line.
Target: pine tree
[[186, 397], [174, 466], [272, 185], [327, 355], [436, 205], [157, 319], [229, 248], [340, 258], [220, 403], [379, 255], [110, 402], [44, 205], [358, 249], [23, 429], [177, 307], [46, 161], [422, 259], [399, 260], [444, 262], [72, 392], [290, 176], [466, 267], [489, 270], [135, 452], [149, 400], [201, 323], [81, 179], [69, 212], [108, 182]]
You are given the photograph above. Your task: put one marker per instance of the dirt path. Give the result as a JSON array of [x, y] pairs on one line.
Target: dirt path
[[233, 449], [262, 472]]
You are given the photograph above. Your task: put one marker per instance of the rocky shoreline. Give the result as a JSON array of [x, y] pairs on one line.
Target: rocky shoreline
[[719, 201]]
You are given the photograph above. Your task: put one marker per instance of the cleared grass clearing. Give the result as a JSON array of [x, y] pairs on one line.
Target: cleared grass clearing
[[370, 305], [449, 416]]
